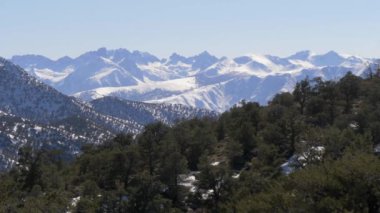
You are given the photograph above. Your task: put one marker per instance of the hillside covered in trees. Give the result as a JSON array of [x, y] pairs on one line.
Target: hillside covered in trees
[[315, 150]]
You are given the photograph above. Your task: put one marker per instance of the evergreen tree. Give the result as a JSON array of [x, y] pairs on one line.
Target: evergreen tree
[[349, 87], [301, 93]]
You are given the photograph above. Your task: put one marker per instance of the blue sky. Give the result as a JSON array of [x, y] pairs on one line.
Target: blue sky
[[223, 27]]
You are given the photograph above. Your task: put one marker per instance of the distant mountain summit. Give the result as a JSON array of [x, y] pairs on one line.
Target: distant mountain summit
[[302, 55], [202, 81]]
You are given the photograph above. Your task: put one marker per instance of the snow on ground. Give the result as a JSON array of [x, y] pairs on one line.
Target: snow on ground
[[166, 71], [216, 163], [74, 203], [301, 160], [189, 181], [236, 176], [377, 149], [177, 85]]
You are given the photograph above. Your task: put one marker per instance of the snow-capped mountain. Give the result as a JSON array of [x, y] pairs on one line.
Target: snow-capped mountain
[[33, 113], [202, 81]]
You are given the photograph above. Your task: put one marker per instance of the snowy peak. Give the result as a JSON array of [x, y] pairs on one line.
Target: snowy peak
[[176, 58], [302, 55], [243, 60], [119, 55], [197, 62], [329, 59], [203, 60], [143, 57]]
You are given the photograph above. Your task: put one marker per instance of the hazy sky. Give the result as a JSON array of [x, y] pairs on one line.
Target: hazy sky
[[223, 27]]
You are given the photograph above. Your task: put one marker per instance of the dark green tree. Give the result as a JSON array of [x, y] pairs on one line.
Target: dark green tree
[[302, 93]]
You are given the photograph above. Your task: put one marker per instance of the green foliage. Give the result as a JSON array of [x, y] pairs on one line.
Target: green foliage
[[350, 184], [302, 93]]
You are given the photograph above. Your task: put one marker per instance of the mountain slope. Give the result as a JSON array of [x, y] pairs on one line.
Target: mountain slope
[[16, 132], [25, 96], [145, 113]]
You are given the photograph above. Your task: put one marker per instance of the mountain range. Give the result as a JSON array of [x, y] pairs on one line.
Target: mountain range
[[200, 81], [35, 114]]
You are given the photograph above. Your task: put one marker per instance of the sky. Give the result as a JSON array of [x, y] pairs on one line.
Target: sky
[[56, 28]]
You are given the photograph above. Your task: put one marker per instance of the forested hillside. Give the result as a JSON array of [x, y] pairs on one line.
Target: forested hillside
[[315, 150]]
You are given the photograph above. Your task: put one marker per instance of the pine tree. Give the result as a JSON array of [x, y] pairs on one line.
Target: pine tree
[[301, 93]]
